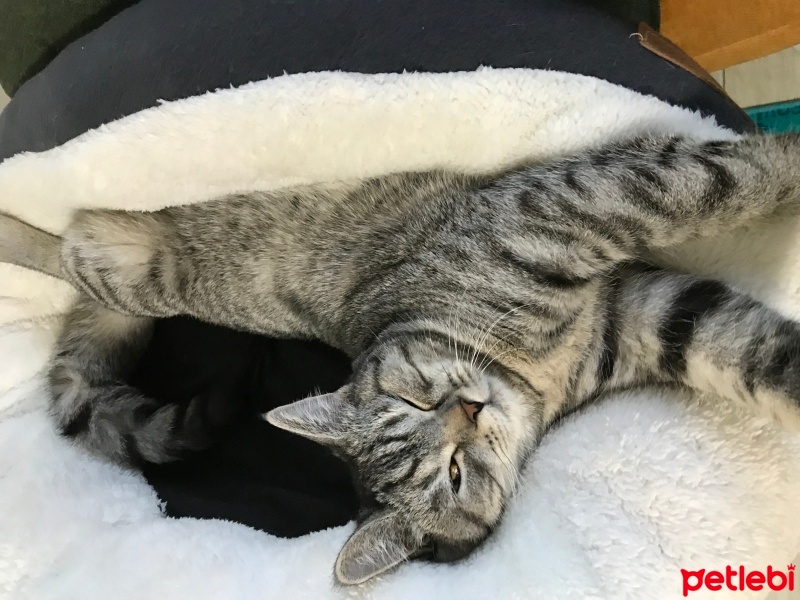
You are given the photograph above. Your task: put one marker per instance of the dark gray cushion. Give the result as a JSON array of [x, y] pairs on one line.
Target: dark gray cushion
[[169, 49]]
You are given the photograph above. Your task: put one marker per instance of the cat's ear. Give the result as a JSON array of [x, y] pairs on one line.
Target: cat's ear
[[382, 542], [324, 419]]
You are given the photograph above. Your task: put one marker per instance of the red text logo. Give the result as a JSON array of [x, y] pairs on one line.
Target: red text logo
[[738, 579]]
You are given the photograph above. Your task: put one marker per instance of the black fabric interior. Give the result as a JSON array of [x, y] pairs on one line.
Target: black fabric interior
[[254, 473], [161, 49]]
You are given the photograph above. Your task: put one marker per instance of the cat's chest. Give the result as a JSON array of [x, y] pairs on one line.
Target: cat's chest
[[553, 365], [551, 377]]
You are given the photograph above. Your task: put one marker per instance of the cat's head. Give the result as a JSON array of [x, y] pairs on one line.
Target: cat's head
[[436, 438]]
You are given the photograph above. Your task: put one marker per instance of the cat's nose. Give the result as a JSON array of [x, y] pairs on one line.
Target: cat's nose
[[471, 409]]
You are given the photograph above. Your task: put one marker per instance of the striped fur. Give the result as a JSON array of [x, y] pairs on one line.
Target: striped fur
[[92, 405], [520, 294]]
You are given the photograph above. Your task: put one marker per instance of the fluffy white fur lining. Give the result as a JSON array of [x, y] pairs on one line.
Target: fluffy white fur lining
[[618, 499]]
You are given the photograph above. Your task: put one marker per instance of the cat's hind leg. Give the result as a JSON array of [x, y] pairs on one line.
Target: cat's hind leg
[[93, 405], [117, 258], [114, 257]]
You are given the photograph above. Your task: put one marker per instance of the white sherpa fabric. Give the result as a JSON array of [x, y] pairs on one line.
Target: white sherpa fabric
[[617, 500]]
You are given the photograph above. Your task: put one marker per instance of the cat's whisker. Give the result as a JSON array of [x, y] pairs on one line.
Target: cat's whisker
[[488, 330], [458, 319], [488, 353], [510, 475], [449, 328], [491, 328], [501, 355]]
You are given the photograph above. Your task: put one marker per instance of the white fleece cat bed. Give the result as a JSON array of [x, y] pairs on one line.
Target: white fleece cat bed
[[616, 501]]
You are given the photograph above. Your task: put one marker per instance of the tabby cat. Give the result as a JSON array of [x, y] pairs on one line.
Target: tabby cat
[[476, 310]]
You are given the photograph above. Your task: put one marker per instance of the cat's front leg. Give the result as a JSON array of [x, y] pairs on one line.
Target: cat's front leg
[[581, 216], [678, 328]]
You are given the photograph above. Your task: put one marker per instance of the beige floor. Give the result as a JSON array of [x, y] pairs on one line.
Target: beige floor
[[774, 78]]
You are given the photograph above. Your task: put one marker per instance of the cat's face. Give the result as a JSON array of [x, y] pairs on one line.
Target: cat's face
[[436, 441]]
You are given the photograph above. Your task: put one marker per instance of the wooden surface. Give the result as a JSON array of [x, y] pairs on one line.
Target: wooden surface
[[722, 33]]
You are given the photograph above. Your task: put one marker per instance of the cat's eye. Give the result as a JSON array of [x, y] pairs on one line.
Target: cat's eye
[[455, 474], [413, 404]]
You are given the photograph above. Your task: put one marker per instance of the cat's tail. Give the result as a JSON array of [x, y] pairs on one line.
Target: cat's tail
[[97, 350], [26, 246]]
